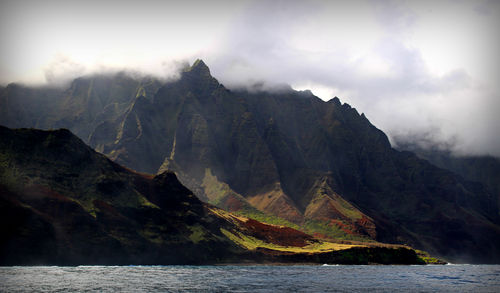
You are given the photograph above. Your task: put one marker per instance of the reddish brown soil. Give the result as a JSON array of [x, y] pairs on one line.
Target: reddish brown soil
[[277, 203], [346, 228], [232, 203], [283, 236], [366, 225]]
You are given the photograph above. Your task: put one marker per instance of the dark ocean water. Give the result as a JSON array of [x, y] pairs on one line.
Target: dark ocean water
[[448, 278]]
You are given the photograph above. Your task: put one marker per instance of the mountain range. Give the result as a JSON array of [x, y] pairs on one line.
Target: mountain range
[[61, 203], [279, 156], [484, 169]]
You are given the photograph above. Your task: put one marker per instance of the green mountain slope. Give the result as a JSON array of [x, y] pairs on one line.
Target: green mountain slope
[[62, 203], [285, 156]]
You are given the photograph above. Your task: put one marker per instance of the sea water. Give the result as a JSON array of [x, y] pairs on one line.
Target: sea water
[[343, 278]]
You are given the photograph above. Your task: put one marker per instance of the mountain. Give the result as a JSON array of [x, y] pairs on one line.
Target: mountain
[[62, 203], [281, 156], [482, 169]]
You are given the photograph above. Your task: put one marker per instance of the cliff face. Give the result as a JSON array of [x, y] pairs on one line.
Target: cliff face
[[482, 169], [284, 157], [62, 203]]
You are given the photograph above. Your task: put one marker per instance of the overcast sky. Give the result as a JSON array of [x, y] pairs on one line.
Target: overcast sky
[[427, 70]]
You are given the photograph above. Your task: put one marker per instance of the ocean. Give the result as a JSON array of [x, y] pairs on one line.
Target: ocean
[[297, 278]]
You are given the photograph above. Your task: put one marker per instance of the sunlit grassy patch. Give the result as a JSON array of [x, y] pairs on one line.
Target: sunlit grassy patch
[[197, 233], [331, 231], [423, 255], [252, 243], [266, 218], [143, 201]]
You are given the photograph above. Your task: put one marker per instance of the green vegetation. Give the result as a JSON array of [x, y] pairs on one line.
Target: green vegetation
[[424, 256], [215, 190], [219, 193], [197, 233], [140, 92], [252, 243], [255, 214], [256, 140], [51, 182], [63, 194], [324, 195], [314, 227], [143, 201]]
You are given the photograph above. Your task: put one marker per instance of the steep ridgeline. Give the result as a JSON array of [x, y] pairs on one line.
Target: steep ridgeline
[[284, 157], [482, 169], [62, 203]]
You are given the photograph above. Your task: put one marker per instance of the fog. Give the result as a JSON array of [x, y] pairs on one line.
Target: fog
[[422, 71]]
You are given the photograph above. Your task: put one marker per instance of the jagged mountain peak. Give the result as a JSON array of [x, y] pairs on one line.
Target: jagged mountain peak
[[335, 100], [249, 140], [198, 79], [58, 211], [199, 67]]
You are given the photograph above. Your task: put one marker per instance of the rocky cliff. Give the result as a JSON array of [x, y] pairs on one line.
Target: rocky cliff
[[283, 156]]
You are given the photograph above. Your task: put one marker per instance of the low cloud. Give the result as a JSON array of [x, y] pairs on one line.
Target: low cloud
[[62, 70], [386, 77], [422, 72]]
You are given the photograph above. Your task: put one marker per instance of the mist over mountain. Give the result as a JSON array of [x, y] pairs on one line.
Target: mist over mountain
[[285, 156], [483, 169], [413, 68]]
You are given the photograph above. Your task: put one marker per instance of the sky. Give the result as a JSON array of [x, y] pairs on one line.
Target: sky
[[422, 71]]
